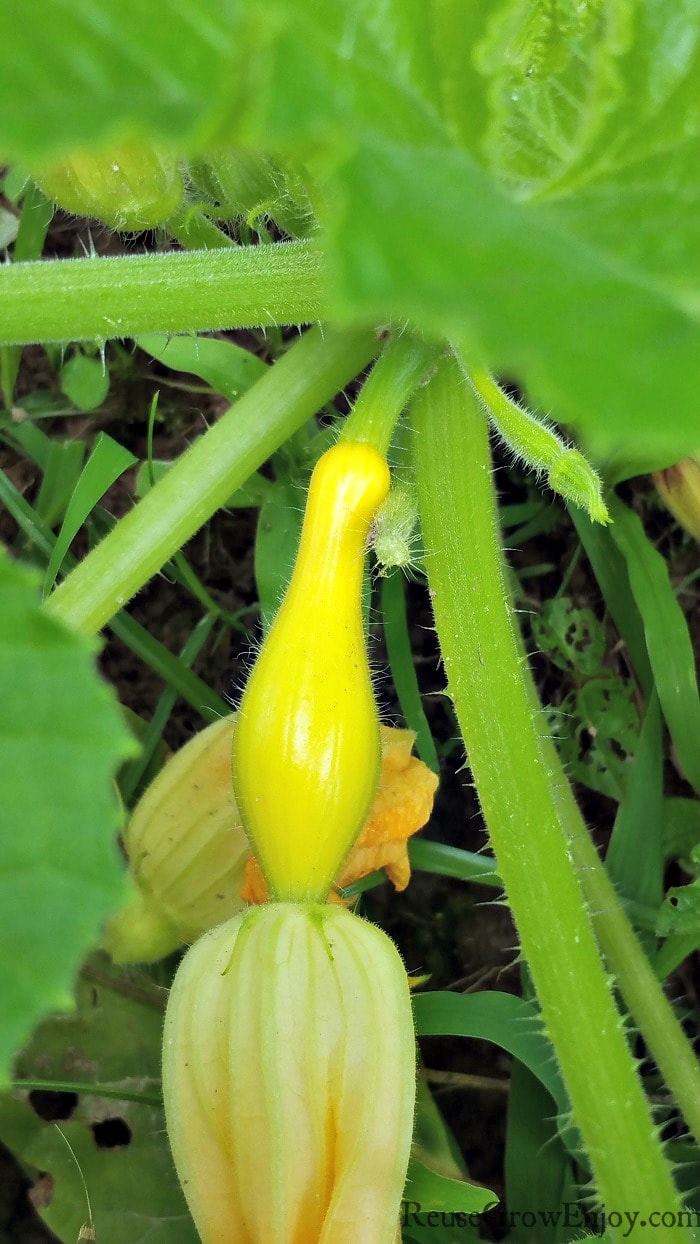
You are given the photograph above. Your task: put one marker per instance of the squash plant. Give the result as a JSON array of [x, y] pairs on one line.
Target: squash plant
[[444, 193]]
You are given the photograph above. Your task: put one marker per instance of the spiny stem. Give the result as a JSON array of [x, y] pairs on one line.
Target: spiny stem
[[486, 684], [179, 292], [203, 479]]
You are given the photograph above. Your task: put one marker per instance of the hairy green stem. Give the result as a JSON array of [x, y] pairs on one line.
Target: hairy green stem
[[396, 373], [203, 479], [490, 694], [541, 448], [179, 292]]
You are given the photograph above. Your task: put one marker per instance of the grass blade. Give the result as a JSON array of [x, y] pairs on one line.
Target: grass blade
[[666, 633]]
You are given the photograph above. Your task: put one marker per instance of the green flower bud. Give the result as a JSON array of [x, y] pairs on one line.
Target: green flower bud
[[289, 1079], [187, 852], [393, 533], [133, 187]]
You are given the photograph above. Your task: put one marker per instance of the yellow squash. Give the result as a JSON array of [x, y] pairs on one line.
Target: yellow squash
[[306, 750]]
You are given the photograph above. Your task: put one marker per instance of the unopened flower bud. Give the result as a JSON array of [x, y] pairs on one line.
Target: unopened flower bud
[[679, 487], [186, 849], [289, 1079]]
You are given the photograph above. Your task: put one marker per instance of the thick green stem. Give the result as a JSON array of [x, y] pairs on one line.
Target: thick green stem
[[180, 292], [396, 373], [203, 479], [490, 694]]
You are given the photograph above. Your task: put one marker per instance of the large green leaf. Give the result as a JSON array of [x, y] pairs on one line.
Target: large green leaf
[[552, 78], [595, 339], [76, 73], [60, 874], [524, 178], [111, 1044]]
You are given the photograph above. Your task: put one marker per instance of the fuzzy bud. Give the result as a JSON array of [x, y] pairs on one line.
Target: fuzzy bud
[[679, 487], [187, 852]]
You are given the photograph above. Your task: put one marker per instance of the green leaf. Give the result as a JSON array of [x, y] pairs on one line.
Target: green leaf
[[572, 638], [85, 382], [97, 74], [491, 1016], [635, 855], [433, 1142], [597, 731], [552, 77], [610, 570], [681, 820], [110, 1042], [393, 605], [572, 264], [228, 368], [445, 861], [538, 1170], [667, 639], [518, 287], [427, 1191], [63, 465], [680, 912], [106, 463], [60, 874]]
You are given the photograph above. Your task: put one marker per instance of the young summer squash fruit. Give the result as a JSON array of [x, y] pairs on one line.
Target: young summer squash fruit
[[289, 1079], [306, 749]]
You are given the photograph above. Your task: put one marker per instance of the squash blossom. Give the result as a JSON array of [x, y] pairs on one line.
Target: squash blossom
[[189, 856], [679, 486], [306, 750], [289, 1079]]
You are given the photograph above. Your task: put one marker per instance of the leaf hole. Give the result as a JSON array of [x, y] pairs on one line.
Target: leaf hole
[[111, 1134], [51, 1105]]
